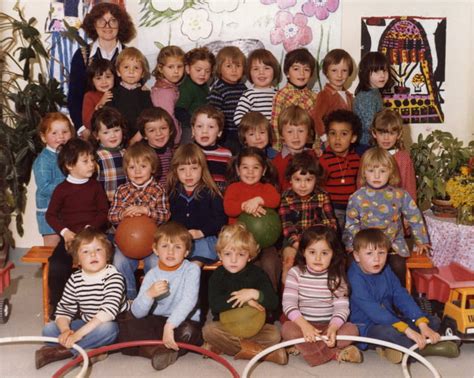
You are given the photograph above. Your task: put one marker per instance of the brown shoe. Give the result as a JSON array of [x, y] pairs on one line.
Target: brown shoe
[[162, 359], [250, 349], [210, 348], [393, 355], [48, 354], [349, 354]]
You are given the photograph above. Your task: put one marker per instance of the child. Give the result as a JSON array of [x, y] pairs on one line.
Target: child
[[207, 126], [374, 76], [227, 90], [337, 66], [95, 292], [340, 161], [78, 202], [196, 202], [130, 97], [303, 205], [316, 300], [55, 129], [100, 81], [263, 71], [165, 308], [255, 131], [236, 284], [299, 66], [378, 203], [168, 73], [382, 308], [108, 127], [252, 189], [142, 195], [159, 131], [387, 131], [296, 128], [193, 90]]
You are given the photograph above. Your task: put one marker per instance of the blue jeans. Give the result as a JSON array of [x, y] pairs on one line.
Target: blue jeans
[[388, 333], [204, 250], [128, 266], [104, 334]]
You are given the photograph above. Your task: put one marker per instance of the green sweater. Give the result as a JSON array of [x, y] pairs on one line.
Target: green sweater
[[222, 283], [191, 96]]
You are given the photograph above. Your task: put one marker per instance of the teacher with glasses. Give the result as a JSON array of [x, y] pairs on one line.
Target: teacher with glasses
[[109, 26]]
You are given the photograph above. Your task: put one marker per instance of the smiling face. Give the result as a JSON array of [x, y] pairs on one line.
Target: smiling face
[[302, 185], [130, 71], [371, 259], [261, 74], [92, 257], [103, 82], [256, 137], [250, 170], [205, 130], [318, 256], [232, 72], [110, 138], [234, 260], [139, 171], [295, 137], [107, 28], [173, 69], [57, 134], [299, 74], [189, 175], [84, 167], [337, 74], [340, 138], [200, 71], [170, 252], [377, 176], [157, 133]]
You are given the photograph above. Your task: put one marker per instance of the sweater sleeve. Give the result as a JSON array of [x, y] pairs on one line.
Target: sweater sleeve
[[270, 299], [270, 196], [88, 108], [353, 225], [75, 95], [402, 300], [243, 107], [53, 216], [290, 231], [415, 218], [341, 306], [114, 291], [141, 305], [160, 208], [407, 172], [68, 305], [217, 292], [102, 209], [163, 98], [118, 205], [217, 216], [215, 98], [45, 184], [232, 201], [290, 295]]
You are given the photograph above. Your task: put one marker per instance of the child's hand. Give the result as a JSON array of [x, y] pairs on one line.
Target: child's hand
[[421, 249], [253, 206], [253, 303], [310, 333], [68, 238], [106, 97], [85, 134], [416, 337], [429, 333], [331, 335], [196, 234], [62, 338], [72, 339], [136, 138], [158, 288], [243, 296], [168, 337], [135, 211]]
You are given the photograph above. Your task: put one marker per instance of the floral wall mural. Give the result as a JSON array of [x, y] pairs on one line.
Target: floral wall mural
[[278, 25]]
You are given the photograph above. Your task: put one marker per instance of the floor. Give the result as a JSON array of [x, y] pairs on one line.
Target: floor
[[17, 360]]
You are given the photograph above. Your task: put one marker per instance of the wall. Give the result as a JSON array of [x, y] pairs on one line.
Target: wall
[[459, 68]]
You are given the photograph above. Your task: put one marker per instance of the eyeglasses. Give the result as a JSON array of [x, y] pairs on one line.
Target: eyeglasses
[[102, 23]]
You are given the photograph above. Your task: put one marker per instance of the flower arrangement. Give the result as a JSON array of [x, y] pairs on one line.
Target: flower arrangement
[[461, 191]]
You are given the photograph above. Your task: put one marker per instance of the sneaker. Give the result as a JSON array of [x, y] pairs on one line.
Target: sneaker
[[349, 354], [162, 359], [394, 356]]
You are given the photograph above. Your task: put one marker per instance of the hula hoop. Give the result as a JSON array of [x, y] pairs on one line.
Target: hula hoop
[[126, 344], [369, 340], [82, 352]]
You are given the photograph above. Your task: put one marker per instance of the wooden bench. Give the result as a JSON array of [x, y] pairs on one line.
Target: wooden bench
[[416, 261], [40, 255]]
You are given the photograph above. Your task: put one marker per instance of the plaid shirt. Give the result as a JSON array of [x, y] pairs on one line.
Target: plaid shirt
[[298, 213], [289, 95], [111, 174], [152, 195]]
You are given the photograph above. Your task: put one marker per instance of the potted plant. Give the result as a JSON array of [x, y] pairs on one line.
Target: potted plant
[[437, 157], [24, 99]]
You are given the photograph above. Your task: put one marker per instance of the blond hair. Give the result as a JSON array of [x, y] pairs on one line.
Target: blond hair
[[295, 115], [134, 53], [87, 236], [140, 151], [375, 157], [237, 236]]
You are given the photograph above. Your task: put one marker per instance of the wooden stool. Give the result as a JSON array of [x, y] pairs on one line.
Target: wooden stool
[[416, 261]]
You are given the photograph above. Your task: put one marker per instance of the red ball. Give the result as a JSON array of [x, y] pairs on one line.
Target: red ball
[[134, 236]]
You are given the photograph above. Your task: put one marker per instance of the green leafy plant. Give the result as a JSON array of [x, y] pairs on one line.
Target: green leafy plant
[[437, 157], [24, 99]]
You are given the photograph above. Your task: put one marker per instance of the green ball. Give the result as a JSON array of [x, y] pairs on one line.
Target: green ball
[[266, 229]]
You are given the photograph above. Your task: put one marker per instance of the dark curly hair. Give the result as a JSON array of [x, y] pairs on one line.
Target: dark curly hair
[[307, 164], [343, 116], [126, 30], [70, 152]]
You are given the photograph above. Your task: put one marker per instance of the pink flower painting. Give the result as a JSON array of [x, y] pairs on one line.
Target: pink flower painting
[[319, 8], [290, 30]]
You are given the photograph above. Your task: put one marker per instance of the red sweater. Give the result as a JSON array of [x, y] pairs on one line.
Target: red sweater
[[75, 206], [238, 192], [407, 172], [91, 99]]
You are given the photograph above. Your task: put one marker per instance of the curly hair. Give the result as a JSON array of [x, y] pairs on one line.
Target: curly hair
[[126, 30]]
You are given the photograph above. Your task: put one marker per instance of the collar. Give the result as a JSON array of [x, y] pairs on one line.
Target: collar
[[75, 180], [165, 84], [393, 151], [314, 272], [96, 47], [95, 276], [333, 90], [297, 87], [169, 268], [160, 150], [349, 152], [208, 148], [114, 149], [131, 87], [51, 149], [144, 185], [381, 188]]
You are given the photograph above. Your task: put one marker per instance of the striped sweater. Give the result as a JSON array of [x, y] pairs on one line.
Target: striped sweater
[[307, 294], [255, 100], [218, 159], [100, 295]]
